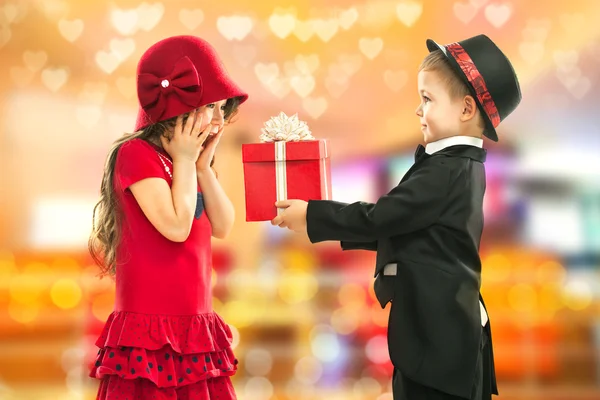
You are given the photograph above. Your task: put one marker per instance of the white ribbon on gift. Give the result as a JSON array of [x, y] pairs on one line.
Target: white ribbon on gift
[[324, 169], [280, 173]]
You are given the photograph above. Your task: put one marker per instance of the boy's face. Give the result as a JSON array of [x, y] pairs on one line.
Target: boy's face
[[439, 112]]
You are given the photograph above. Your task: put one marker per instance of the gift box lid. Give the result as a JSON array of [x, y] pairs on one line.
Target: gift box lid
[[294, 151]]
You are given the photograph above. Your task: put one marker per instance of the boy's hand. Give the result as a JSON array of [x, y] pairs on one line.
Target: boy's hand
[[293, 215]]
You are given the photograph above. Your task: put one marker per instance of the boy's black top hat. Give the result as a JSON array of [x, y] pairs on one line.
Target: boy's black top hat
[[489, 75]]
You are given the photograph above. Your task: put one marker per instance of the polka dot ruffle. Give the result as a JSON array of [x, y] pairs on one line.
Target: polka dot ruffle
[[165, 354], [116, 388], [164, 367]]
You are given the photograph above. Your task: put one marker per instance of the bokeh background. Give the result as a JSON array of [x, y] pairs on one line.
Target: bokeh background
[[304, 316]]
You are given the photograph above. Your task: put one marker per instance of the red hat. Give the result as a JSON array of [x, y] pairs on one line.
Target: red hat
[[178, 75]]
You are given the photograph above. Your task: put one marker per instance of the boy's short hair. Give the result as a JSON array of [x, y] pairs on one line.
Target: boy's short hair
[[436, 61]]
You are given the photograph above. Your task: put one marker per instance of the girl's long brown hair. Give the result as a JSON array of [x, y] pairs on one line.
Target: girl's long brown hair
[[105, 237]]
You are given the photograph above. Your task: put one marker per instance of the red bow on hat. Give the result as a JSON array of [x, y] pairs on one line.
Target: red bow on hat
[[183, 81]]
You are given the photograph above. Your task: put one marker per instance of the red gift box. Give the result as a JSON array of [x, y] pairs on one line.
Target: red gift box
[[284, 170]]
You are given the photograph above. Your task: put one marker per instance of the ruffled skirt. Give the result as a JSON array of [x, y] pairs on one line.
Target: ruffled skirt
[[145, 356]]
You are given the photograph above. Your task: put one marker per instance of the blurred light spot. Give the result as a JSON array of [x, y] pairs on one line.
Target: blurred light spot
[[8, 267], [577, 295], [352, 295], [522, 297], [214, 278], [91, 283], [71, 358], [238, 313], [550, 297], [235, 337], [308, 370], [299, 391], [258, 388], [23, 313], [27, 287], [551, 271], [37, 268], [239, 280], [298, 259], [74, 380], [61, 223], [103, 305], [377, 349], [372, 292], [367, 388], [217, 305], [324, 343], [377, 14], [386, 396], [379, 315], [496, 268], [564, 213], [344, 321], [296, 286], [347, 382], [258, 362], [65, 293], [7, 256], [66, 265]]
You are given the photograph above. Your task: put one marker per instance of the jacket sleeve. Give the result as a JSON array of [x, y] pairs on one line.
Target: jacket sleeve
[[412, 205]]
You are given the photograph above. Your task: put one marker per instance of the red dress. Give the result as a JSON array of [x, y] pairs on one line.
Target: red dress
[[163, 340]]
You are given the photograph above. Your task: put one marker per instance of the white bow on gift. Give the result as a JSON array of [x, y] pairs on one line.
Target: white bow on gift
[[279, 130], [285, 129]]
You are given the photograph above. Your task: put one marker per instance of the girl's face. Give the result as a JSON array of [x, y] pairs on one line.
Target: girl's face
[[213, 114]]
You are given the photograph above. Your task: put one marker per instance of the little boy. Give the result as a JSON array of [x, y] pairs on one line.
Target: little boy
[[427, 230]]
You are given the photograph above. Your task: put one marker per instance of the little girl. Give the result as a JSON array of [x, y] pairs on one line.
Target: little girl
[[160, 204]]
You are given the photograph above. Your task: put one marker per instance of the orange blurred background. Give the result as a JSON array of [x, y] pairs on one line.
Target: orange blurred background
[[304, 317]]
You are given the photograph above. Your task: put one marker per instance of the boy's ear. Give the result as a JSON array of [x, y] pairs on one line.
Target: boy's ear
[[469, 109]]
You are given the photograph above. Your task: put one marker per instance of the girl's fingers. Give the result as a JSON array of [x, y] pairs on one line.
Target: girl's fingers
[[164, 141], [204, 134], [189, 124], [216, 138], [199, 118], [178, 124], [197, 126]]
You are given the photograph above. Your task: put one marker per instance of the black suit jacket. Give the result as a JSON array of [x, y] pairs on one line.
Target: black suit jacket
[[430, 225]]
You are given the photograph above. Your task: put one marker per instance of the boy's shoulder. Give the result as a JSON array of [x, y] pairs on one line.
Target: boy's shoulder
[[446, 164]]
